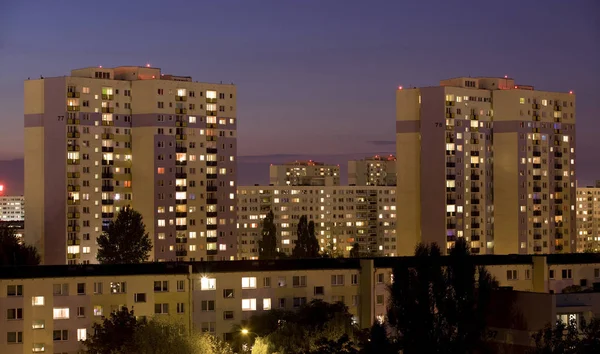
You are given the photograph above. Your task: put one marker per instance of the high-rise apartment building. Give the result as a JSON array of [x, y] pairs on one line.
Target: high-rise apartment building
[[342, 215], [588, 218], [104, 138], [12, 208], [373, 171], [304, 173], [487, 160]]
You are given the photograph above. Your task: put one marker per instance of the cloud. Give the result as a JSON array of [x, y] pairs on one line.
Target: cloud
[[382, 142]]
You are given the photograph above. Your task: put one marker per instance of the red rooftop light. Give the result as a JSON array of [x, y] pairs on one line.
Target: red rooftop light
[[148, 65], [570, 92], [399, 87]]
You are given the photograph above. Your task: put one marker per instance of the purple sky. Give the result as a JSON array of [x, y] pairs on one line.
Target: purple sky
[[314, 77]]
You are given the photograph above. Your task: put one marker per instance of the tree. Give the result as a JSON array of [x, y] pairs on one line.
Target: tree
[[566, 339], [440, 309], [330, 346], [126, 240], [160, 336], [261, 346], [267, 247], [307, 245], [355, 251], [315, 325], [114, 334], [378, 342], [14, 253]]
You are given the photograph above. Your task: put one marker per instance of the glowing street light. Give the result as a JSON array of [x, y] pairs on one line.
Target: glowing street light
[[245, 331]]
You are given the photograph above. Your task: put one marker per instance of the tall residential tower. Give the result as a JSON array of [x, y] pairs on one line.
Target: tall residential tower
[[487, 160], [104, 138]]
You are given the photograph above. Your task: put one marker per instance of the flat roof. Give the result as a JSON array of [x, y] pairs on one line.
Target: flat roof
[[172, 268]]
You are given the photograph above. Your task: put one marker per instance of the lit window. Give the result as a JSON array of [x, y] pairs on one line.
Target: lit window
[[248, 304], [161, 170], [81, 334], [249, 283], [161, 223], [522, 100], [97, 310], [266, 304], [208, 283], [61, 313], [37, 301], [192, 119]]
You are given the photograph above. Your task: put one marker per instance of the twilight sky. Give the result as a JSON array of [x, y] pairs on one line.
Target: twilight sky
[[314, 77]]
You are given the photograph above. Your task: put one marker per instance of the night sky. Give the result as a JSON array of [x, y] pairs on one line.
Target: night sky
[[314, 77]]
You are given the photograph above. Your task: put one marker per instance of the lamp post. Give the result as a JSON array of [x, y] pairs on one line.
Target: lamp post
[[247, 332]]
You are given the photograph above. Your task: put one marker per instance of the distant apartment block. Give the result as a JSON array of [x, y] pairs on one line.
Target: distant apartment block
[[12, 208], [104, 138], [488, 160], [304, 173], [372, 171], [342, 215], [588, 218]]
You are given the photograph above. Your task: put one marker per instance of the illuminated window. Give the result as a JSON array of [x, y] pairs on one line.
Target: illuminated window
[[81, 334], [266, 304], [248, 304], [60, 313], [192, 119], [211, 94], [522, 100], [161, 170], [161, 223], [37, 301], [208, 283], [249, 283]]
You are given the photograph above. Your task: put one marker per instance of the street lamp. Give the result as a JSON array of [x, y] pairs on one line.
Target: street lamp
[[245, 331]]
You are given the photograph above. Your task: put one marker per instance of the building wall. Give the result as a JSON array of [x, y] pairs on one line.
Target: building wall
[[587, 206], [342, 216], [373, 171], [304, 173], [12, 208], [120, 126]]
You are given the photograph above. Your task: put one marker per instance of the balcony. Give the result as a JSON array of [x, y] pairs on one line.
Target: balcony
[[475, 177], [450, 177], [558, 166], [559, 247], [537, 189], [180, 188], [181, 240], [211, 252], [107, 97], [475, 250], [558, 108], [73, 94], [558, 235], [537, 225], [537, 177], [211, 163], [211, 214], [558, 201], [558, 189], [450, 164], [108, 202], [537, 236], [107, 136], [450, 238], [451, 201], [108, 162], [108, 215], [180, 163], [211, 239], [180, 137], [558, 178], [475, 213], [537, 201], [558, 212], [537, 165], [211, 188], [475, 189], [180, 227], [180, 214], [211, 201], [558, 154], [211, 227], [73, 242], [180, 175], [72, 174], [108, 149], [181, 110], [475, 237], [73, 148], [537, 153], [181, 98], [108, 123], [73, 162], [211, 113], [73, 135], [211, 100], [73, 215], [181, 149], [181, 253], [107, 175], [108, 109], [451, 226], [450, 103], [73, 188], [537, 249], [180, 124], [73, 121], [211, 150], [73, 108], [211, 176], [537, 213], [108, 188], [450, 115], [211, 125], [475, 225], [180, 201], [211, 138]]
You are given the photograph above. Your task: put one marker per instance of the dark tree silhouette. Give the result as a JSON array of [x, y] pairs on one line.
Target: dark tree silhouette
[[378, 342], [114, 334], [126, 240], [440, 308], [13, 253], [267, 247], [568, 339], [307, 245], [355, 251]]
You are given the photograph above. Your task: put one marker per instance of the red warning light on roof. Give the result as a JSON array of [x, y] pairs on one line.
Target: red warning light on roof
[[399, 87], [570, 92], [1, 188]]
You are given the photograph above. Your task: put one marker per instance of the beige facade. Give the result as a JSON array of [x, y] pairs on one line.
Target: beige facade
[[342, 215], [373, 171], [588, 218], [215, 296], [105, 138], [487, 160], [304, 173]]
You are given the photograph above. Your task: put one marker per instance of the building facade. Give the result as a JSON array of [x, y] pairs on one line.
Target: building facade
[[104, 138], [12, 208], [488, 160], [51, 308], [373, 171], [342, 215], [304, 173], [588, 218]]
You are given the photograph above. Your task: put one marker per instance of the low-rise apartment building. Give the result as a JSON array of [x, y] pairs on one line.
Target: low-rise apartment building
[[343, 216], [12, 208], [52, 308], [304, 173]]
